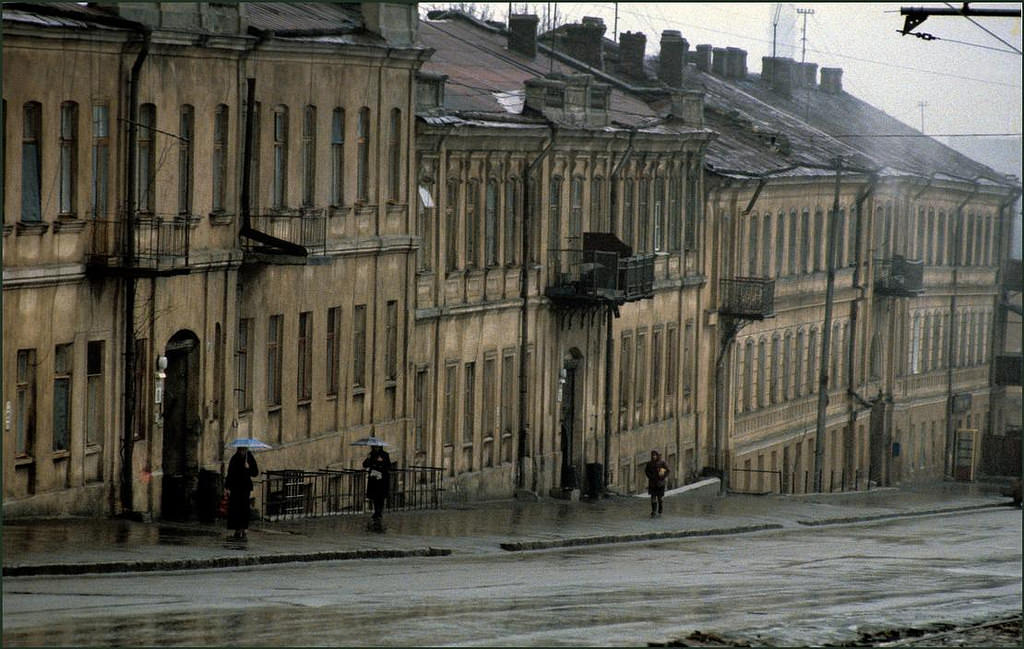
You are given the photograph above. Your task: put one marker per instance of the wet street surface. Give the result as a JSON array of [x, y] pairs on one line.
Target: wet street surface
[[796, 586]]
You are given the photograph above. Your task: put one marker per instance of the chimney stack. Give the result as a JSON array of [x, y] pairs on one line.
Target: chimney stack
[[672, 59], [718, 63], [809, 74], [632, 47], [703, 58], [832, 80], [688, 106], [583, 41], [522, 34]]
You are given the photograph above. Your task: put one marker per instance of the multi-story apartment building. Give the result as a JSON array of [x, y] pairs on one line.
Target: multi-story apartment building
[[207, 235]]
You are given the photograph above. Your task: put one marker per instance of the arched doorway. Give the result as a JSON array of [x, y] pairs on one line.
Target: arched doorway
[[182, 427], [570, 377]]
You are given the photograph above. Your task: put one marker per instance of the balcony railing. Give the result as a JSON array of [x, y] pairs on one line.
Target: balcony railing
[[595, 275], [306, 228], [158, 244], [899, 277], [748, 297]]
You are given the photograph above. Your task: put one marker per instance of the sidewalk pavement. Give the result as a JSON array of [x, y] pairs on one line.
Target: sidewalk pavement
[[76, 546]]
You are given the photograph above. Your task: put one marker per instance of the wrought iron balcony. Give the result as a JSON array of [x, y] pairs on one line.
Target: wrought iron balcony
[[748, 297], [293, 232], [158, 245], [594, 274], [1008, 369], [899, 277]]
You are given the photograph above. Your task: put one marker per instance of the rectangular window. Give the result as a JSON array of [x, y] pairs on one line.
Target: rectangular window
[[806, 241], [25, 424], [220, 159], [62, 397], [275, 334], [490, 403], [338, 157], [451, 218], [659, 214], [576, 213], [508, 400], [472, 223], [671, 367], [555, 214], [139, 423], [145, 177], [280, 186], [512, 223], [100, 160], [95, 403], [450, 395], [625, 380], [598, 215], [675, 214], [425, 224], [308, 156], [468, 411], [643, 217], [243, 368], [186, 149], [491, 224], [359, 346], [304, 356], [419, 408], [391, 341], [331, 348], [692, 208], [656, 359], [395, 156], [254, 163], [793, 270], [689, 344], [363, 156], [68, 157], [640, 382], [31, 161], [628, 217]]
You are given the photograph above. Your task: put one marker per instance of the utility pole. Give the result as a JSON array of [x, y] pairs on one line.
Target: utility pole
[[921, 105], [775, 26], [615, 31], [804, 13], [826, 334]]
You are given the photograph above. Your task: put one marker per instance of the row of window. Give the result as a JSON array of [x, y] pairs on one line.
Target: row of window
[[149, 150], [649, 374], [305, 343], [61, 368], [936, 236], [929, 340]]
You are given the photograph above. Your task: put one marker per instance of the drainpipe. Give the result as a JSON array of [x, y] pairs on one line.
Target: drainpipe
[[524, 295], [950, 346], [128, 256]]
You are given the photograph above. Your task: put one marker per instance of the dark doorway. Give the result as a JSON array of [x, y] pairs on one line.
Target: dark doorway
[[567, 424], [181, 427]]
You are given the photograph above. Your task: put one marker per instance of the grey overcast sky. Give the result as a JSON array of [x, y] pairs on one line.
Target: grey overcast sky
[[969, 79]]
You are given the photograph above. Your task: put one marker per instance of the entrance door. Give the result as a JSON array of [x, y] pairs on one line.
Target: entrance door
[[567, 425], [181, 427]]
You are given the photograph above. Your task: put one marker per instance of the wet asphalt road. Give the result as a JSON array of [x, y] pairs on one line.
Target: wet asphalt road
[[798, 586]]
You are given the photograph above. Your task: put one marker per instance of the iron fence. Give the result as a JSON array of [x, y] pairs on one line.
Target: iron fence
[[306, 227], [157, 241], [786, 482], [899, 276], [748, 296], [294, 493], [600, 273]]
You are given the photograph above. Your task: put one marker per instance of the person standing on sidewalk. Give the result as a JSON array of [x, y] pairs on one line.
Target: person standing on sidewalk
[[657, 472], [378, 481], [241, 470]]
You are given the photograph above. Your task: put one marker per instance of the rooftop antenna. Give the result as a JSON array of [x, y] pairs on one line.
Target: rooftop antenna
[[804, 13], [775, 25], [921, 105], [615, 31]]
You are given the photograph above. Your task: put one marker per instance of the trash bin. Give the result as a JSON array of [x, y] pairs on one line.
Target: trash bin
[[594, 478], [208, 495]]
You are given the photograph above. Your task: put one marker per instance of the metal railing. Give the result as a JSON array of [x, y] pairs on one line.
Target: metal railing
[[795, 482], [899, 276], [157, 241], [306, 227], [599, 274], [296, 493], [748, 297], [772, 485]]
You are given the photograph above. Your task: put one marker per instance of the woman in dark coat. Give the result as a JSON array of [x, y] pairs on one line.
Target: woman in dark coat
[[378, 480], [657, 472], [241, 470]]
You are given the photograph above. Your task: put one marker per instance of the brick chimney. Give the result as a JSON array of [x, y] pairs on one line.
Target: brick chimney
[[688, 106], [809, 74], [718, 65], [780, 74], [522, 34], [702, 58], [832, 80], [583, 41], [395, 22], [632, 47], [672, 59], [736, 63]]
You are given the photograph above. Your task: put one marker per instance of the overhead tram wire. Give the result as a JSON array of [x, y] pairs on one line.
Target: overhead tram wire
[[982, 28]]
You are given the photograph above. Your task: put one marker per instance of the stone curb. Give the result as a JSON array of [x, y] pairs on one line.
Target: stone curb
[[878, 517], [214, 562], [519, 546]]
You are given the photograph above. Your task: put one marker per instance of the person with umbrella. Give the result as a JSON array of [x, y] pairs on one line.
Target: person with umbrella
[[378, 480], [241, 470]]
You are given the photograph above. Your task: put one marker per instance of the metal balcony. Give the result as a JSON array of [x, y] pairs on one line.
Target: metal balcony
[[899, 277], [748, 298], [1008, 369], [603, 271], [294, 232], [159, 246]]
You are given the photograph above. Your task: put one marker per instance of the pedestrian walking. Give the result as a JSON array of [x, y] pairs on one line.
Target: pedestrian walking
[[657, 473], [241, 470], [378, 481]]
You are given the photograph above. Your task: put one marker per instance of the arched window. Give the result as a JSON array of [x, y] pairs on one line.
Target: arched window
[[659, 214], [308, 156], [100, 160], [363, 156], [491, 224], [812, 361], [791, 266], [787, 366], [628, 212], [576, 213], [219, 167], [451, 224], [31, 163], [338, 157], [186, 153], [68, 157], [875, 364], [748, 378], [762, 374], [780, 244], [776, 388], [513, 238], [472, 224], [766, 253], [818, 240], [395, 156], [145, 177], [752, 248], [554, 214], [280, 181], [798, 365], [940, 243]]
